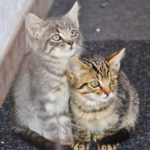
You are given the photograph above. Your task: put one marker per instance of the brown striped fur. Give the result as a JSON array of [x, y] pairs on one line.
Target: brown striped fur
[[103, 107]]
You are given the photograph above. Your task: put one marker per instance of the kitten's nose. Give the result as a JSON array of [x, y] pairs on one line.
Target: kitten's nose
[[106, 90], [70, 43]]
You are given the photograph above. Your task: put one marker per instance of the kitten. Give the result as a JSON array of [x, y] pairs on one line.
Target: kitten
[[102, 99], [41, 91]]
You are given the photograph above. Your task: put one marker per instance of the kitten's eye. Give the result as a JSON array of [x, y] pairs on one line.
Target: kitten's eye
[[113, 81], [56, 37], [74, 33], [94, 84]]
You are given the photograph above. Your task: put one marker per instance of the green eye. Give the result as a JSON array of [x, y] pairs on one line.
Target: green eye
[[56, 37], [74, 33], [112, 81], [94, 84]]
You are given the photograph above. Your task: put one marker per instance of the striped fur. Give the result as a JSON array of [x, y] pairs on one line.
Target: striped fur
[[41, 91], [38, 140], [101, 109]]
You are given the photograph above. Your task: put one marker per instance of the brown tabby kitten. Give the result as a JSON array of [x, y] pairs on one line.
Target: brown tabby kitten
[[102, 99], [41, 91]]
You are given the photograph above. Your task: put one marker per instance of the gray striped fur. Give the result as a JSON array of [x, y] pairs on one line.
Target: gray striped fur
[[41, 91]]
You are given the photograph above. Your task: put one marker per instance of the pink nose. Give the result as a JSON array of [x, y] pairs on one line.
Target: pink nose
[[106, 90]]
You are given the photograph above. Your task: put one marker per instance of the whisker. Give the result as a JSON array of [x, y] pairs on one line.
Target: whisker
[[118, 101]]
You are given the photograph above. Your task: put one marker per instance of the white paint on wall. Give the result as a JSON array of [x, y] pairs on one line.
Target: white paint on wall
[[11, 14], [12, 36]]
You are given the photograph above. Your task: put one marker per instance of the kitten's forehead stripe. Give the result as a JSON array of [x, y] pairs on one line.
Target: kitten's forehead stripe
[[100, 65], [103, 67], [63, 26], [92, 63]]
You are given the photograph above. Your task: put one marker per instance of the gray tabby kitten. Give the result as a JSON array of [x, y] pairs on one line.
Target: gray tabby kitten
[[41, 90], [103, 101]]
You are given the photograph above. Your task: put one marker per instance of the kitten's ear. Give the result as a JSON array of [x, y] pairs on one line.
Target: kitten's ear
[[35, 26], [76, 67], [73, 13], [115, 59]]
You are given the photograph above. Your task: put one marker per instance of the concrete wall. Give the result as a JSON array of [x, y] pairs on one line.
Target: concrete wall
[[12, 36]]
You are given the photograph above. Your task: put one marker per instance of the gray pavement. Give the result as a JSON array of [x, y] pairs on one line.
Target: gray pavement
[[116, 19]]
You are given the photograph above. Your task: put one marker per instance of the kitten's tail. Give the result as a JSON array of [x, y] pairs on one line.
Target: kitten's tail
[[37, 140]]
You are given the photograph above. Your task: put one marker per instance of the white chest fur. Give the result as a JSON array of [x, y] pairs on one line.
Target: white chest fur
[[100, 125], [58, 98]]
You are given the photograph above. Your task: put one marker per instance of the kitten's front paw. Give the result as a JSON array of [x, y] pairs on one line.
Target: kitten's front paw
[[97, 137], [81, 146], [107, 147]]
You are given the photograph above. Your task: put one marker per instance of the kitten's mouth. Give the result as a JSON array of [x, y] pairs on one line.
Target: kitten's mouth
[[71, 48]]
